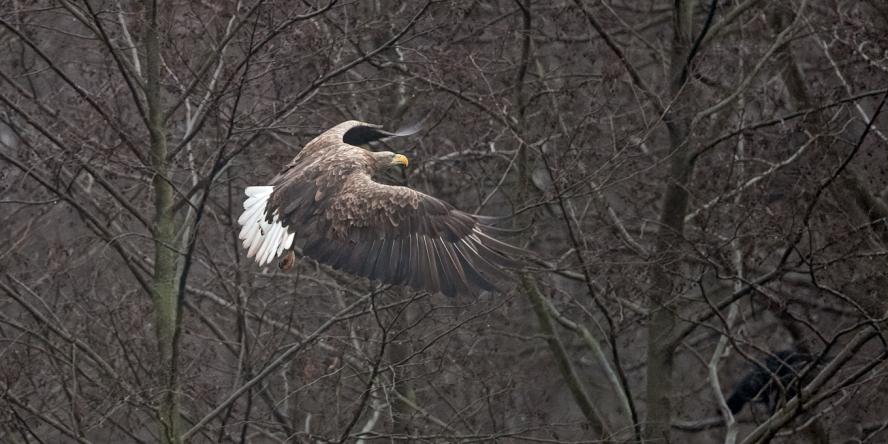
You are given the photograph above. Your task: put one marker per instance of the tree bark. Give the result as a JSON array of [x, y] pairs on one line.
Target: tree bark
[[668, 244], [165, 297]]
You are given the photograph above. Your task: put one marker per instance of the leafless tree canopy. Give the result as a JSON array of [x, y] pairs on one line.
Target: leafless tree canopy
[[703, 186]]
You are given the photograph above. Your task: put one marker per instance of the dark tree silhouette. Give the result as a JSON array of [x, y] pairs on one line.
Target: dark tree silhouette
[[775, 379]]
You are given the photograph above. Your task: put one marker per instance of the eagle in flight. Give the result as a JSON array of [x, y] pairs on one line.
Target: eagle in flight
[[325, 202]]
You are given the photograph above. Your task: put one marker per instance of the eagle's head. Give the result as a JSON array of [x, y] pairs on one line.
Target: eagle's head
[[388, 168], [386, 159]]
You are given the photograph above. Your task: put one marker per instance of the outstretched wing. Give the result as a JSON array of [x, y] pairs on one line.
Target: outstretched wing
[[364, 133], [400, 236]]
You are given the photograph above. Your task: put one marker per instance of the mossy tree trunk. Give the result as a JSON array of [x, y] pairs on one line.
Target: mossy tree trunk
[[167, 245]]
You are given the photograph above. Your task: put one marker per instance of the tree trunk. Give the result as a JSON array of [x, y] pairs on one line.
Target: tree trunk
[[667, 247], [166, 272]]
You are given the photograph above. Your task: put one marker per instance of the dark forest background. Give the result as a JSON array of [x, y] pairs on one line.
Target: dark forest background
[[702, 185]]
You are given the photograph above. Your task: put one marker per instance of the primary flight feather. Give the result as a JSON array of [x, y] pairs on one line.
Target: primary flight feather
[[325, 201]]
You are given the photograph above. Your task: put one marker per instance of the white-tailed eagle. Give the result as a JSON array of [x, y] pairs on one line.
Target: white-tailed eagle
[[325, 201]]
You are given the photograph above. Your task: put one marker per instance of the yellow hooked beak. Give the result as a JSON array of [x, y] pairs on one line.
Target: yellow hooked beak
[[399, 160]]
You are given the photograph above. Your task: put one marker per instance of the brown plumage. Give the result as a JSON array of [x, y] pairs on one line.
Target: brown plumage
[[325, 201]]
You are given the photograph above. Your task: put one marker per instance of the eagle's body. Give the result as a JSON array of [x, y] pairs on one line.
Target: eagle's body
[[326, 201]]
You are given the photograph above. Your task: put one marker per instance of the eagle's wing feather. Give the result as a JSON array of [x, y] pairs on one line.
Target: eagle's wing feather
[[398, 236]]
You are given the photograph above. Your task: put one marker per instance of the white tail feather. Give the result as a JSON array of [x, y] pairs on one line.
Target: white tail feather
[[269, 240]]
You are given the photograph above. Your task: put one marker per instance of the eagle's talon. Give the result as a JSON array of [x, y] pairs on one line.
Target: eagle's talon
[[287, 262]]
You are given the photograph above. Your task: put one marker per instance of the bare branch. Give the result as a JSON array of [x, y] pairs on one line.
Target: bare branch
[[284, 357]]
